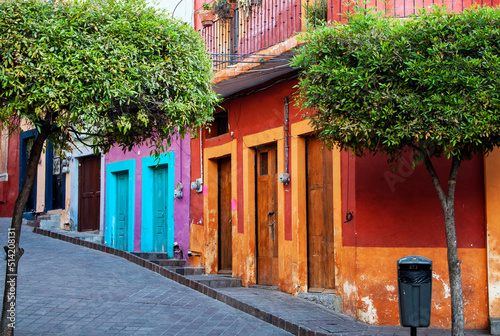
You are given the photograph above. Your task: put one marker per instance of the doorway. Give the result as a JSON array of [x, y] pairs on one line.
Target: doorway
[[267, 215], [55, 180], [320, 243], [160, 183], [26, 143], [225, 236], [121, 236], [89, 193]]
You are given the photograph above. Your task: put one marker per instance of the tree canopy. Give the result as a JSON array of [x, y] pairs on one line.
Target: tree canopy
[[429, 84], [122, 71], [384, 84], [118, 72]]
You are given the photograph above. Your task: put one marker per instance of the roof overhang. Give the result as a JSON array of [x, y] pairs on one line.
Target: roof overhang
[[262, 74], [257, 69]]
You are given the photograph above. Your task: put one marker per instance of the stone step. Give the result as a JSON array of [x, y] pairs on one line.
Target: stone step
[[216, 280], [327, 298], [50, 222], [272, 288], [169, 262], [93, 238], [152, 255], [188, 270]]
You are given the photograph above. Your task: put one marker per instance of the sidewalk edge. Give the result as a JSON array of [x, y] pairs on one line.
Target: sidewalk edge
[[270, 318]]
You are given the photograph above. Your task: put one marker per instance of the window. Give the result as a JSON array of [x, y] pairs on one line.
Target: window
[[219, 126]]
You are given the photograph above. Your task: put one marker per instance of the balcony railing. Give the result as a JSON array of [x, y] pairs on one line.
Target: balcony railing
[[235, 39]]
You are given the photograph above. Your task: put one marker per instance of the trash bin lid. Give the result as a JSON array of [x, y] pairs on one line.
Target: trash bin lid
[[414, 259]]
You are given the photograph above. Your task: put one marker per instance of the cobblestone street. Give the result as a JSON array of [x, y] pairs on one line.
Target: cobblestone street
[[66, 289]]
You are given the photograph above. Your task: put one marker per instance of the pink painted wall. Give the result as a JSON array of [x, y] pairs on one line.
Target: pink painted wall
[[182, 174]]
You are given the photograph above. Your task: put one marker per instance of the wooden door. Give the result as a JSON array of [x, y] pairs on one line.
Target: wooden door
[[321, 267], [267, 216], [225, 222], [89, 193], [121, 211], [160, 182]]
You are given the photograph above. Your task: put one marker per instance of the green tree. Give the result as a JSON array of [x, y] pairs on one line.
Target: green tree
[[118, 70], [430, 85]]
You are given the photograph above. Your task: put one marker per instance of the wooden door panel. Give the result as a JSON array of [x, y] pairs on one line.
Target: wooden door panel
[[267, 216], [321, 266], [89, 199], [225, 242]]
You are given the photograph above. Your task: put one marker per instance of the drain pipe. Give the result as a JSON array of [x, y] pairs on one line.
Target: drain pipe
[[201, 154], [285, 178]]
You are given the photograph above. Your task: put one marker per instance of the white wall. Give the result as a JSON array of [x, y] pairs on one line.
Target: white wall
[[184, 10]]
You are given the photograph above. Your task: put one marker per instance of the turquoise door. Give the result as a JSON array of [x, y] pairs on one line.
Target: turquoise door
[[121, 211], [160, 182], [157, 215]]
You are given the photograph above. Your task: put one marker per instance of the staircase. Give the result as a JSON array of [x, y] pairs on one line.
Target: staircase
[[193, 273]]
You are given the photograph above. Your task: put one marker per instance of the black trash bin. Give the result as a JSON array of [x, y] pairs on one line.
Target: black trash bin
[[415, 289]]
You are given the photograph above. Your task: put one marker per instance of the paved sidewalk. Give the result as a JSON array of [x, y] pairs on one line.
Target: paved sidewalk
[[121, 300], [65, 289]]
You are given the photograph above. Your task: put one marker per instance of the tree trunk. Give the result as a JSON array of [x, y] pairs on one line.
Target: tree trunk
[[448, 203], [14, 253]]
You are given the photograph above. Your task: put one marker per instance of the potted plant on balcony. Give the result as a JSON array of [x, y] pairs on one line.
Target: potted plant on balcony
[[246, 5], [224, 8], [206, 15]]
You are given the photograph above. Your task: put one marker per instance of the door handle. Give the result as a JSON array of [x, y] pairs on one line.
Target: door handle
[[272, 230], [270, 213]]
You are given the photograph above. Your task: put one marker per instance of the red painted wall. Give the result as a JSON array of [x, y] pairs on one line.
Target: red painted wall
[[10, 189], [246, 115], [401, 208], [196, 208]]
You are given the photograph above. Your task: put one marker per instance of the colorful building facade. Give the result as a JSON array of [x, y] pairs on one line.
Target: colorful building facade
[[146, 209], [279, 209]]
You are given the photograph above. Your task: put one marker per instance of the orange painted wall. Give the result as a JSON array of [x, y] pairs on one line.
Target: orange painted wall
[[388, 222], [397, 213], [375, 291], [492, 186]]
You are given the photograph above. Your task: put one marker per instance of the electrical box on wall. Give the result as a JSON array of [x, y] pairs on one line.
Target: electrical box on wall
[[197, 185]]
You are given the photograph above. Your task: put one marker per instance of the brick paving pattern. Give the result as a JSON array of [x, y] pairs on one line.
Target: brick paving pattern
[[65, 289]]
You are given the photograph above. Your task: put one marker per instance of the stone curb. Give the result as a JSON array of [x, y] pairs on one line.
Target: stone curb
[[270, 318]]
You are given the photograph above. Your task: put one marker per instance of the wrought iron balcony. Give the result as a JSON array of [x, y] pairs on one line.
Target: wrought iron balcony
[[246, 31]]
